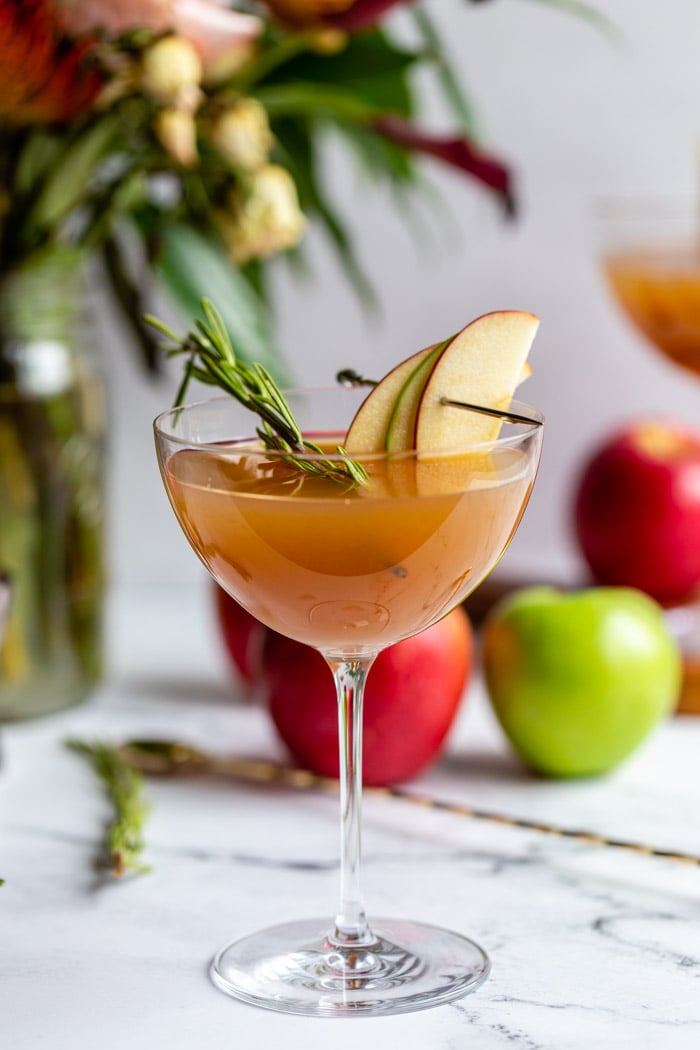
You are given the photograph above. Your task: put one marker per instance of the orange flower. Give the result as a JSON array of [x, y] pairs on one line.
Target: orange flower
[[45, 80]]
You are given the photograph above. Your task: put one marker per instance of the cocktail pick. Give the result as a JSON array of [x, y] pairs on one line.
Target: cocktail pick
[[349, 377], [173, 758]]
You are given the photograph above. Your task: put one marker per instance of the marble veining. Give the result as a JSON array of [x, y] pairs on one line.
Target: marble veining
[[592, 947]]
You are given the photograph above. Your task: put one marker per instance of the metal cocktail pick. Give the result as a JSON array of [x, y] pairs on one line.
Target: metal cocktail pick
[[172, 758], [349, 377]]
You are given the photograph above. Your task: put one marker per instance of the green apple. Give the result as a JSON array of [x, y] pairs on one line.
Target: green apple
[[578, 679]]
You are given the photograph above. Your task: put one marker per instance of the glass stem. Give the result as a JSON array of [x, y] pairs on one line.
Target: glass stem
[[351, 926]]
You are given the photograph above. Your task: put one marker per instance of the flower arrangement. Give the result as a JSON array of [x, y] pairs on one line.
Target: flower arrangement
[[193, 130], [180, 141]]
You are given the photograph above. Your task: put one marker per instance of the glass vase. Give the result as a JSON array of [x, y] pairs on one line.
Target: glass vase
[[52, 430]]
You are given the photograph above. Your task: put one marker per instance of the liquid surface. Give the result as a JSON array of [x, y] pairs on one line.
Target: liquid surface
[[349, 570], [659, 287]]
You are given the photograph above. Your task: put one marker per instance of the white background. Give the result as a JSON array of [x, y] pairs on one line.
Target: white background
[[580, 116]]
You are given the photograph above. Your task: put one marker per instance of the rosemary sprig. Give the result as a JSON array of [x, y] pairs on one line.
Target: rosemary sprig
[[212, 359], [124, 785]]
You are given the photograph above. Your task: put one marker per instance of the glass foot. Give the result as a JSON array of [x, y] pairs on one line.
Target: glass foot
[[294, 968]]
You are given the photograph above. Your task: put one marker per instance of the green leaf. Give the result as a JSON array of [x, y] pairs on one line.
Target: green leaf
[[587, 13], [381, 158], [296, 139], [370, 66], [36, 158], [193, 267], [452, 89], [66, 185], [316, 100], [127, 295]]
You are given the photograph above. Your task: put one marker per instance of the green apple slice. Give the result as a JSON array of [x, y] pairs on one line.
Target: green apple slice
[[402, 422], [368, 430], [481, 365]]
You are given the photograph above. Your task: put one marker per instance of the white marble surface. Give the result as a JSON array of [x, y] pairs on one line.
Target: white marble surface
[[591, 947]]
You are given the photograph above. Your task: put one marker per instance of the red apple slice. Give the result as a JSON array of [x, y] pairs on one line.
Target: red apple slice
[[482, 365]]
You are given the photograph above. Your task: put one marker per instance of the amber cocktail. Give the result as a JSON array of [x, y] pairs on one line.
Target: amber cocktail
[[348, 569], [651, 255]]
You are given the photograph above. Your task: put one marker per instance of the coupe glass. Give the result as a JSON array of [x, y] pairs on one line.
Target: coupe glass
[[651, 257], [348, 569]]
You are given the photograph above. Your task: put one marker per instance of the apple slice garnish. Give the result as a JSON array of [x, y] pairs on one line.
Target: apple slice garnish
[[402, 422], [408, 409], [368, 430], [482, 365]]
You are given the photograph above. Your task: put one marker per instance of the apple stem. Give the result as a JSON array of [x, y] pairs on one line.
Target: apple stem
[[351, 929]]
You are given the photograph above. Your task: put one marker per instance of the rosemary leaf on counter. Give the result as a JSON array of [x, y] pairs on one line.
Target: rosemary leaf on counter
[[124, 840]]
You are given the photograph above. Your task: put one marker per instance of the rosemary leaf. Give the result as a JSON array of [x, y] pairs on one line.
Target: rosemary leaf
[[124, 786], [211, 358]]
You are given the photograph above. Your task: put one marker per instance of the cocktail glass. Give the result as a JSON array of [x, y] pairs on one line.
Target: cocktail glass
[[651, 257], [348, 569]]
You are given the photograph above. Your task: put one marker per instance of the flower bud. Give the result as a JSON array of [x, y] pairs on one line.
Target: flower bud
[[176, 131], [329, 41], [225, 64], [171, 72], [264, 216], [242, 135]]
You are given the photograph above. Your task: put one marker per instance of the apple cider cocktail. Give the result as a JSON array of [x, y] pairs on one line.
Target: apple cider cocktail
[[359, 567], [659, 287], [350, 522]]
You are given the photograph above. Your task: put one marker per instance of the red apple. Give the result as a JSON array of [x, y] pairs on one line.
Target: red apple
[[412, 695], [637, 510], [243, 637]]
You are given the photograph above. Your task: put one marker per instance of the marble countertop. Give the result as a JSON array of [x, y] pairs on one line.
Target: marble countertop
[[591, 946]]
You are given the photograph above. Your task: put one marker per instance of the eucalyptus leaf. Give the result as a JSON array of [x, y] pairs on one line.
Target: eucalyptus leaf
[[193, 267], [71, 173]]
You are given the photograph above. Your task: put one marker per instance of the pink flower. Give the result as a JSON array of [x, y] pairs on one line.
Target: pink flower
[[218, 32]]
